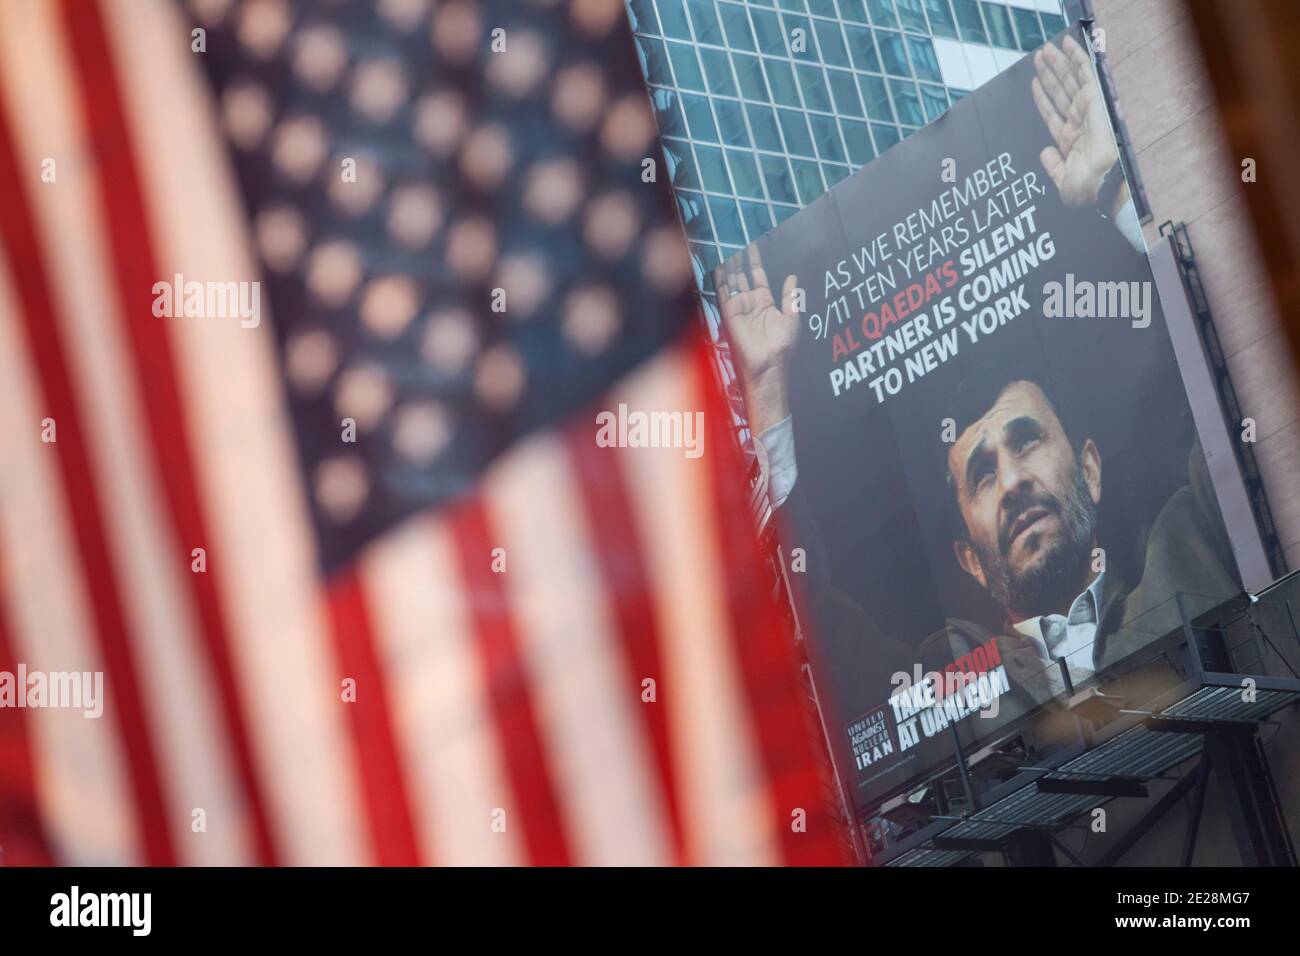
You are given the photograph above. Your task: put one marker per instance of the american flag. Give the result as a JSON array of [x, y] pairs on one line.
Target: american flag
[[471, 635]]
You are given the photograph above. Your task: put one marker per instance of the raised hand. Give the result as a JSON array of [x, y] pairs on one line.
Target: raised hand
[[762, 334], [1070, 103]]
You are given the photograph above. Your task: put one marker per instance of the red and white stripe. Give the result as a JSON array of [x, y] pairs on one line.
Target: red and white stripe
[[498, 718]]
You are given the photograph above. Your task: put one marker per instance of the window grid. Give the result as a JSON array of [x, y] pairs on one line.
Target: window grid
[[872, 16]]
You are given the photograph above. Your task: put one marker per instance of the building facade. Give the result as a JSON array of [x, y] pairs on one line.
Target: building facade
[[763, 105]]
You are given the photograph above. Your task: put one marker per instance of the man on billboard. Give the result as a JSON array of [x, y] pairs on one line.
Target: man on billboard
[[1024, 478]]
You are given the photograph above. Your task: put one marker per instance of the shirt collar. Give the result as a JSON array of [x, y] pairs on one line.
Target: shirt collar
[[1084, 609]]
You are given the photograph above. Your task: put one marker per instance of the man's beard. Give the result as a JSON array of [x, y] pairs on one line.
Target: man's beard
[[1056, 577]]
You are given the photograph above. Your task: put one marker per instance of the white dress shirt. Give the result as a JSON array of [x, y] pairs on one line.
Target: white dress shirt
[[1072, 636]]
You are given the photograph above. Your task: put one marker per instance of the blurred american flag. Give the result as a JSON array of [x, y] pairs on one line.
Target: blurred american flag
[[381, 171]]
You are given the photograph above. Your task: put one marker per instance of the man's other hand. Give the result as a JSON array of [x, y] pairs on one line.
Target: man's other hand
[[762, 334], [1071, 105]]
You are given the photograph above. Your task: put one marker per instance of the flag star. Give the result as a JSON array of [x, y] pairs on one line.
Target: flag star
[[421, 431], [299, 148], [320, 57], [552, 190], [414, 215], [311, 358], [456, 31], [363, 394], [247, 112], [263, 25], [499, 378], [450, 341], [578, 96], [472, 248], [388, 305], [591, 319], [341, 487], [378, 89], [281, 237], [334, 271], [440, 122]]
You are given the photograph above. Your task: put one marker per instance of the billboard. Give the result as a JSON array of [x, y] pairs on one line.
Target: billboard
[[973, 429]]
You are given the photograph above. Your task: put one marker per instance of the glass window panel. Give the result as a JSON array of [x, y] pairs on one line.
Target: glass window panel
[[763, 122], [705, 18], [968, 19], [834, 174], [686, 67], [854, 10], [781, 78], [941, 21], [933, 101], [719, 72], [750, 74], [909, 12], [891, 53], [863, 49], [924, 62], [731, 123], [907, 102], [999, 24], [858, 141], [795, 128], [708, 258], [776, 174], [744, 173], [758, 219], [681, 167], [669, 113], [735, 21], [699, 118], [643, 17], [826, 135], [656, 61], [673, 18], [770, 38], [791, 5], [1027, 29], [1052, 24], [882, 13], [782, 213], [845, 92], [831, 43], [691, 207], [726, 220], [823, 8], [808, 178], [885, 136], [713, 170], [877, 100], [813, 83]]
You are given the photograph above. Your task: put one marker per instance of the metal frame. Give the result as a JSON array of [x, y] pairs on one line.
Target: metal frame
[[1021, 815]]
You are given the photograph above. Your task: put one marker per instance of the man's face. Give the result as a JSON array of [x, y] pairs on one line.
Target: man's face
[[1029, 503]]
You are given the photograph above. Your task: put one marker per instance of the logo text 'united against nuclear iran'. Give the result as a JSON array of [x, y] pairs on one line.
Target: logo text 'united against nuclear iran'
[[209, 300], [629, 428]]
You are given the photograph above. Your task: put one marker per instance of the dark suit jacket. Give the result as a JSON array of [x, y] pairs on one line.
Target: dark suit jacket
[[1185, 549]]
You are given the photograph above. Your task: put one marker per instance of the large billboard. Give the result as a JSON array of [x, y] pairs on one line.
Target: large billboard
[[973, 429]]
